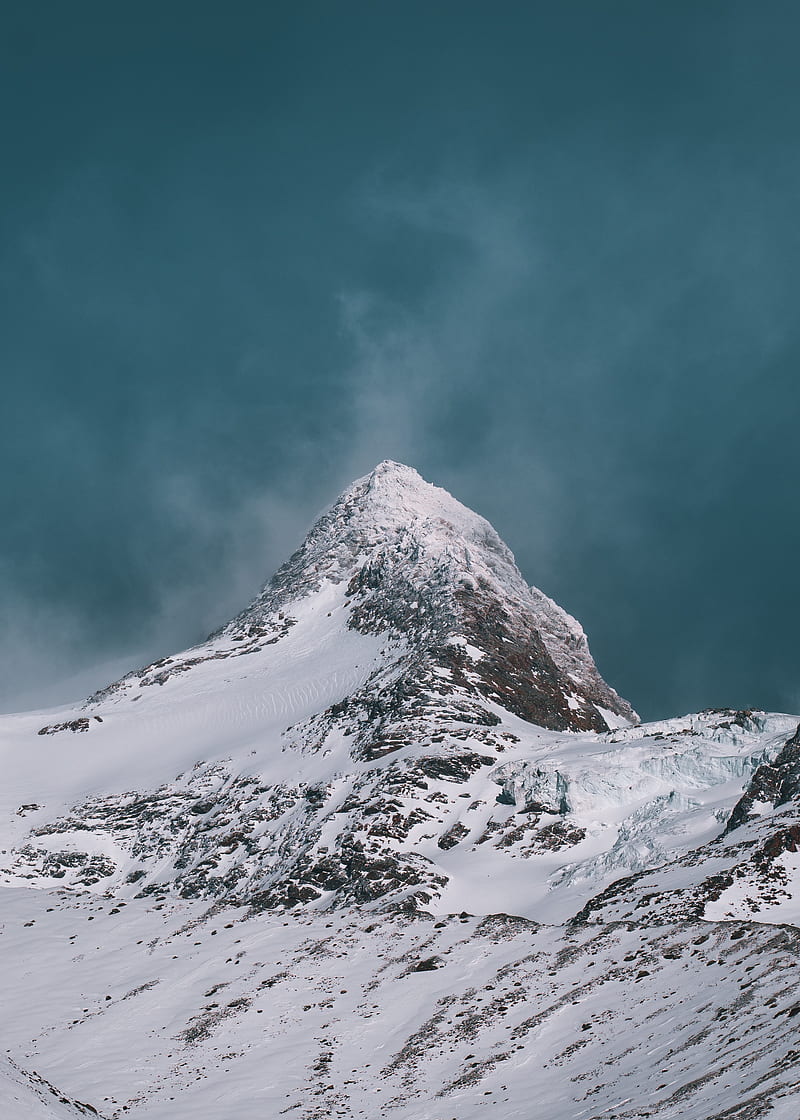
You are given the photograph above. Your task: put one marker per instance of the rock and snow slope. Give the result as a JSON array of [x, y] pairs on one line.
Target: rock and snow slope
[[397, 731]]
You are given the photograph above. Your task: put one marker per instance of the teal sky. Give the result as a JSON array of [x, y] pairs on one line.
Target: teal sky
[[547, 253]]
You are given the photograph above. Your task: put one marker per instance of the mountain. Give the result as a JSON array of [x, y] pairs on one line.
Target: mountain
[[393, 809]]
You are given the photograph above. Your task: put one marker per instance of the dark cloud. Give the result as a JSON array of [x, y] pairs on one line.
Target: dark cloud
[[548, 255]]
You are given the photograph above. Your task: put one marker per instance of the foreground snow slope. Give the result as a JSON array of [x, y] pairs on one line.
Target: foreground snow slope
[[185, 1012], [273, 834]]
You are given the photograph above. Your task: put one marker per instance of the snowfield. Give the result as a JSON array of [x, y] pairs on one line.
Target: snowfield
[[201, 1012], [388, 845]]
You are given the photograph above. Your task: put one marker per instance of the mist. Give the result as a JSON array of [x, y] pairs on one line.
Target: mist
[[549, 260]]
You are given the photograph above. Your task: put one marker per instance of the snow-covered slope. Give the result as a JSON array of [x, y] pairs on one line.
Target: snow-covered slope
[[25, 1094], [398, 730], [174, 1009]]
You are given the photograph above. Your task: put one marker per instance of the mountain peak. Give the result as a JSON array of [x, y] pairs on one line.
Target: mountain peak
[[395, 495], [394, 518], [400, 560], [411, 560], [388, 468]]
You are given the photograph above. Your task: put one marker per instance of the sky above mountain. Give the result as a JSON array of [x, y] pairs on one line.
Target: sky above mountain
[[545, 253]]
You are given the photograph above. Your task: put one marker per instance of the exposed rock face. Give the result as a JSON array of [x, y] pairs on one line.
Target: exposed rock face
[[419, 564], [774, 783]]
